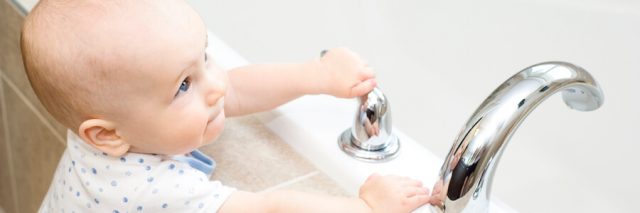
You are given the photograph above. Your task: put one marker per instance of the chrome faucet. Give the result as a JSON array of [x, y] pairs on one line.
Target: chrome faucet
[[371, 137], [466, 176]]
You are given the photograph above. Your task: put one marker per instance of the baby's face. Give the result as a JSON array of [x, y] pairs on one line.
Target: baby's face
[[174, 99]]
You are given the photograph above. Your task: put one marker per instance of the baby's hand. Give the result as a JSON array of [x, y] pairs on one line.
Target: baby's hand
[[393, 193], [344, 74], [437, 196]]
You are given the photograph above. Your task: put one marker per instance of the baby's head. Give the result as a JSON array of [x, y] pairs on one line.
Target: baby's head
[[125, 75]]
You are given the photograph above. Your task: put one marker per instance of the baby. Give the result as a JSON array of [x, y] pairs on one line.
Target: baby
[[133, 82]]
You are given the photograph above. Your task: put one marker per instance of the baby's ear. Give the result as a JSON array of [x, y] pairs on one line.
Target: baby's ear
[[102, 135]]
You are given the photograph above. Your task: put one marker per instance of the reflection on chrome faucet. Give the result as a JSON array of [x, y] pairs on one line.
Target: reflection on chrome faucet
[[371, 138], [467, 174]]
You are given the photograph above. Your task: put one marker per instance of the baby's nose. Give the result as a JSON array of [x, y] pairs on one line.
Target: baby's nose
[[216, 87], [213, 98]]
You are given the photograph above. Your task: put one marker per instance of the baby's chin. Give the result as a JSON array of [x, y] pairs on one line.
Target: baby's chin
[[213, 129]]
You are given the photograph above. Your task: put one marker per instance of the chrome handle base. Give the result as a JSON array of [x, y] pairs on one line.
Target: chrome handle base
[[371, 138]]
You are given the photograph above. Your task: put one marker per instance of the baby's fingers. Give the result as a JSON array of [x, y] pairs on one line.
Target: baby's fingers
[[416, 201], [413, 191], [366, 73], [435, 200], [363, 88], [412, 182]]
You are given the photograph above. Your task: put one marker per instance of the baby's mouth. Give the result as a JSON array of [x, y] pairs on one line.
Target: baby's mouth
[[213, 116]]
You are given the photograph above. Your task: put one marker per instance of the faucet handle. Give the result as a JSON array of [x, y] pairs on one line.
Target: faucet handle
[[372, 126], [371, 137]]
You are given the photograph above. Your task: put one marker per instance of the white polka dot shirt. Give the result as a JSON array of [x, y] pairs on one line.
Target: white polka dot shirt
[[88, 180]]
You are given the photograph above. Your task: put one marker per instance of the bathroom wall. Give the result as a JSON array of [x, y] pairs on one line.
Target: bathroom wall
[[31, 140]]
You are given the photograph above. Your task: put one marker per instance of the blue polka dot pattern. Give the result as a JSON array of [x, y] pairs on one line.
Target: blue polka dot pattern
[[120, 187]]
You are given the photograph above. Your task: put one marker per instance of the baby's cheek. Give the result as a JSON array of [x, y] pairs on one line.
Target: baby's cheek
[[189, 127], [214, 129], [185, 139]]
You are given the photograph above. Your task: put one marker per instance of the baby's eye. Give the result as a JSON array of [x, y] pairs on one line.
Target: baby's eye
[[184, 86], [206, 57]]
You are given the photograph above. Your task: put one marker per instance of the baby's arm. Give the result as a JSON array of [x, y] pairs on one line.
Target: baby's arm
[[377, 194], [291, 201], [262, 87]]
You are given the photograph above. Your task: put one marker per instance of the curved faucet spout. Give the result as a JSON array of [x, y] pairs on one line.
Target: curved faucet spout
[[467, 173]]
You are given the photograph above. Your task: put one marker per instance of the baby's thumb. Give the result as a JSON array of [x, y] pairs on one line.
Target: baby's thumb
[[363, 88]]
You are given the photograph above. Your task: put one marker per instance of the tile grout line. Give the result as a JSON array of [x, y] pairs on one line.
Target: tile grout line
[[33, 108], [12, 178], [290, 182]]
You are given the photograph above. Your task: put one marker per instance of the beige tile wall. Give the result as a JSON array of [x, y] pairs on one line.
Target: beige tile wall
[[249, 156], [6, 191], [11, 60], [35, 151], [31, 139]]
